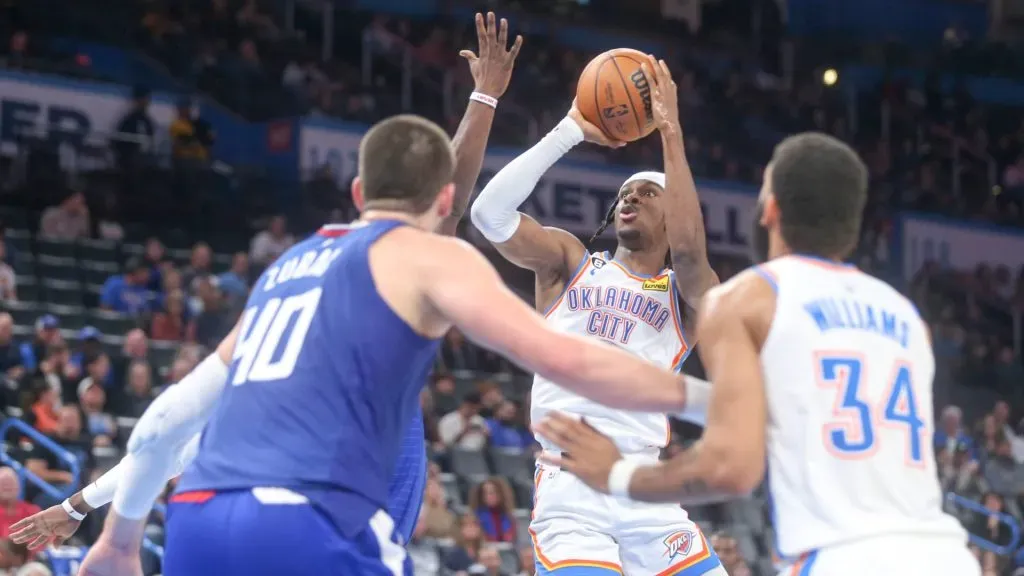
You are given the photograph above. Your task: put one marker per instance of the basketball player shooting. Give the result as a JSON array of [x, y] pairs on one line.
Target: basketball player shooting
[[818, 369], [627, 299]]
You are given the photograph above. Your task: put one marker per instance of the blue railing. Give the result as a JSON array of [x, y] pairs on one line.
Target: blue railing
[[25, 474], [1008, 549]]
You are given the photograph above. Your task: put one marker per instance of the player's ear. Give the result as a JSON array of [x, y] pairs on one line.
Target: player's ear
[[770, 214], [446, 200], [357, 194]]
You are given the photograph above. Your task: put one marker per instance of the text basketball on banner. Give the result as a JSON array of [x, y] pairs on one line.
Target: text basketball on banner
[[952, 244], [572, 195]]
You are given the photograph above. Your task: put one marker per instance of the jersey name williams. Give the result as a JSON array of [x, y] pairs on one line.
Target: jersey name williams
[[613, 312]]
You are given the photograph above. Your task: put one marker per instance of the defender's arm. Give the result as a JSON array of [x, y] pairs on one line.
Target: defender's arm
[[466, 290], [491, 72]]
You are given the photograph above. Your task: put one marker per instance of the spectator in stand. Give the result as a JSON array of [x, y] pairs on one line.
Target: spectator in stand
[[200, 264], [173, 323], [423, 552], [42, 412], [11, 254], [494, 505], [139, 394], [506, 430], [468, 542], [456, 353], [99, 424], [12, 508], [235, 282], [443, 393], [127, 293], [11, 364], [135, 132], [47, 334], [527, 562], [186, 144], [57, 372], [155, 256], [491, 398], [951, 435], [489, 563], [215, 320], [89, 347], [269, 244], [252, 20], [8, 280], [988, 435], [436, 519], [134, 349], [1001, 413], [18, 53], [68, 220], [990, 526], [464, 428], [13, 556], [1004, 474], [49, 466]]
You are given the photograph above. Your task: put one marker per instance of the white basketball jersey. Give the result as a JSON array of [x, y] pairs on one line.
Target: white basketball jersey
[[638, 314], [848, 369]]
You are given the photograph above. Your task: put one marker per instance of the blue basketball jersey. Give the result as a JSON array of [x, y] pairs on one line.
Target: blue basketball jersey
[[323, 385], [405, 494]]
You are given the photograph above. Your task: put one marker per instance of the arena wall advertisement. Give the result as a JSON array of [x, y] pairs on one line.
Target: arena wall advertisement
[[70, 112], [920, 238], [573, 195]]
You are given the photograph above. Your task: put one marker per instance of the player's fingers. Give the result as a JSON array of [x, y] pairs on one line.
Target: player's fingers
[[646, 68], [468, 55], [481, 30], [551, 459], [492, 27], [503, 34], [38, 542], [664, 70], [515, 49]]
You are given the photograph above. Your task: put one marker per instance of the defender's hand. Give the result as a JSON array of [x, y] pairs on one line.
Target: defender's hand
[[592, 133], [587, 454], [492, 69], [664, 94], [38, 529]]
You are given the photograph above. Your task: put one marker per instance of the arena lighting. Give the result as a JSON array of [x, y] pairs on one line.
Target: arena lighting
[[830, 77]]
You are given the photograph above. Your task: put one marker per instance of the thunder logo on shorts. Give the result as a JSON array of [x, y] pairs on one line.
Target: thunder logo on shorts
[[678, 544]]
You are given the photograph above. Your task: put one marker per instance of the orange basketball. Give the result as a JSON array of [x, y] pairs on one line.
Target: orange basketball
[[614, 94]]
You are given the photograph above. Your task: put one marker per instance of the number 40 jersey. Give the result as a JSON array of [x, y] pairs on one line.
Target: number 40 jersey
[[848, 368], [324, 382]]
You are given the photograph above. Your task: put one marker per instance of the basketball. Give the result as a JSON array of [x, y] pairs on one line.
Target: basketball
[[614, 94]]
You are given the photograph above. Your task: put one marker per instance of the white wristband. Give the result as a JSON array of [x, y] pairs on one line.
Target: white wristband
[[74, 514], [484, 99], [620, 476]]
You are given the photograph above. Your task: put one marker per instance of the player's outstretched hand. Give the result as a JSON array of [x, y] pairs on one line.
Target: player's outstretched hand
[[105, 559], [492, 68], [42, 527], [592, 133], [586, 453], [664, 94]]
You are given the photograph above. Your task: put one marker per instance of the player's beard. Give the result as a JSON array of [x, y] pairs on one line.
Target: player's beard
[[758, 236]]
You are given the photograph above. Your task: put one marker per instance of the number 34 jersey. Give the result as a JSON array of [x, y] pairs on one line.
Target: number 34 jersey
[[848, 368], [324, 381]]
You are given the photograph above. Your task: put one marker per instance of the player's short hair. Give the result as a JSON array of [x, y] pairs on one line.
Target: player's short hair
[[821, 187], [404, 161]]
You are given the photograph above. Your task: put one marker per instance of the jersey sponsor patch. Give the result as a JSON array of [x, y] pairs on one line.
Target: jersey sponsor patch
[[678, 544], [657, 284]]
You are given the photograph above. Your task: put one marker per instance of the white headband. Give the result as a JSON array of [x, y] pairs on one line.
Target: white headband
[[650, 176]]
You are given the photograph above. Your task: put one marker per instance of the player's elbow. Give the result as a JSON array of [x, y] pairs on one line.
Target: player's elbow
[[735, 473], [495, 226]]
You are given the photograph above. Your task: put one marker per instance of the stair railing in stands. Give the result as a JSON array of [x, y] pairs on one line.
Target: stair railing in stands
[[65, 456], [1003, 550], [26, 474]]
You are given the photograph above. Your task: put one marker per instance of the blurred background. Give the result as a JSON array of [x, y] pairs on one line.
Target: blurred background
[[156, 155]]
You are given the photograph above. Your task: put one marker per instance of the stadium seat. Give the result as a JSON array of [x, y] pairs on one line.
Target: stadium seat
[[523, 517], [179, 256], [71, 318], [15, 217], [523, 491], [747, 512], [96, 272], [63, 293], [451, 489], [28, 289], [470, 464], [57, 268], [509, 559], [112, 323], [98, 250], [23, 312], [130, 250], [56, 248], [20, 239], [512, 463], [161, 353]]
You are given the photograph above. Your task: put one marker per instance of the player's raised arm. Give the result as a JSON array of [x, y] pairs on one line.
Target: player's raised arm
[[491, 69], [466, 290], [684, 221], [550, 252], [729, 459]]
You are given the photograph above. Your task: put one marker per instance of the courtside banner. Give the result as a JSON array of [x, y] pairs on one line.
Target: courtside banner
[[573, 195], [953, 244], [68, 112]]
